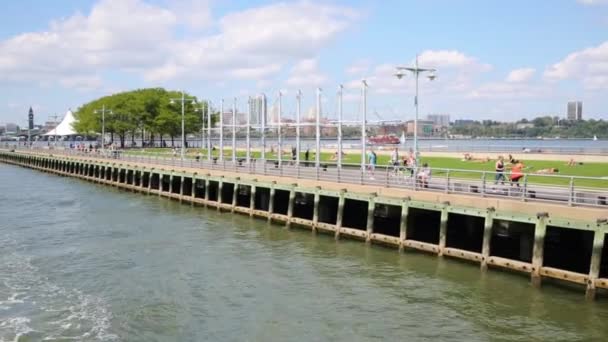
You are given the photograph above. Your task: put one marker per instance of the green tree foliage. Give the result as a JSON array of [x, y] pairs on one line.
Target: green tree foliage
[[546, 126], [144, 110]]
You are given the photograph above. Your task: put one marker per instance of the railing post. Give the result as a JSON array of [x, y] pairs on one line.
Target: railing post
[[362, 174], [447, 181], [483, 184], [387, 175], [524, 192], [339, 167], [571, 192]]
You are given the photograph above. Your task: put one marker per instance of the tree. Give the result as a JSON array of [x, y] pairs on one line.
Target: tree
[[138, 110]]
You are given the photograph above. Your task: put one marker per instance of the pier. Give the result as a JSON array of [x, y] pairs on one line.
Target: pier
[[547, 241]]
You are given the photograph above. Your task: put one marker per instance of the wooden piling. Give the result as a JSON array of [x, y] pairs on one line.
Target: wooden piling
[[539, 247], [487, 238]]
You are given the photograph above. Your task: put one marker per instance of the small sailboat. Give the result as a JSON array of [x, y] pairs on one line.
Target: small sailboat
[[595, 138], [402, 139]]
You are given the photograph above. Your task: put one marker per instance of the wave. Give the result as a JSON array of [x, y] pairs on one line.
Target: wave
[[32, 306]]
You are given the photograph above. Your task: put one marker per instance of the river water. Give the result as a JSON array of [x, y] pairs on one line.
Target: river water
[[85, 262]]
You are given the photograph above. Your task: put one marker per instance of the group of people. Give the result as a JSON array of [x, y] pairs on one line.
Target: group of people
[[407, 163], [516, 167]]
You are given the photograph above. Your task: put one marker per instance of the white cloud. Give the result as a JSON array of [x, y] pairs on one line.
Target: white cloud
[[128, 35], [358, 67], [455, 69], [521, 75], [272, 34], [588, 65], [593, 2], [306, 73], [164, 43], [451, 59], [507, 91]]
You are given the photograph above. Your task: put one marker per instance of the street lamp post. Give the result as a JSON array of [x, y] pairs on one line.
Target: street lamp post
[[248, 133], [183, 101], [279, 141], [318, 130], [234, 131], [221, 130], [263, 117], [363, 124], [209, 130], [203, 125], [103, 125], [340, 91], [416, 70], [298, 119]]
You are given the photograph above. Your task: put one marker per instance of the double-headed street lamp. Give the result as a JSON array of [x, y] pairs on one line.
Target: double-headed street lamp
[[103, 111], [416, 70], [183, 101]]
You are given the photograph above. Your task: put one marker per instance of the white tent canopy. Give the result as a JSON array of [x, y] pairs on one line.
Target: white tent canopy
[[65, 126]]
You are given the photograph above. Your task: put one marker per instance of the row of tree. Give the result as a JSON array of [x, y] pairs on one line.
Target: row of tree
[[151, 113], [545, 126]]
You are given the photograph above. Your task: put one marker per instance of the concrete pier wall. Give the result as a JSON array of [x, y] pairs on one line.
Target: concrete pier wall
[[546, 242]]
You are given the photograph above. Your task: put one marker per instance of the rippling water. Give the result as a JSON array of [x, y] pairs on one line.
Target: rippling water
[[85, 262]]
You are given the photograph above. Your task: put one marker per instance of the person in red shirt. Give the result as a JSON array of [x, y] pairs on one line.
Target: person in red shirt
[[517, 172]]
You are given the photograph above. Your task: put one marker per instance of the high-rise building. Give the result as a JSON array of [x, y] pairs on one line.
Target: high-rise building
[[441, 120], [575, 111], [258, 108]]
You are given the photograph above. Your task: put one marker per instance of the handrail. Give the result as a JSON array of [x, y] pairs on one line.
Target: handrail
[[571, 193]]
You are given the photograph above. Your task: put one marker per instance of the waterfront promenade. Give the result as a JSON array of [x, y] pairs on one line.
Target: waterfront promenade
[[557, 189]]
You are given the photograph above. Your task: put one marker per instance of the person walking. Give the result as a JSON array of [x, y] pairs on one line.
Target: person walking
[[517, 173], [372, 163], [500, 171], [395, 160], [306, 156]]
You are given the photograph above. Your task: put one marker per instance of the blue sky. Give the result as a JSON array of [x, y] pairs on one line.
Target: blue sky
[[496, 59]]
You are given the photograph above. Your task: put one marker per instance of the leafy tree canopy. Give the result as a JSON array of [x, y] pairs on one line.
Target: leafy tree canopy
[[130, 112]]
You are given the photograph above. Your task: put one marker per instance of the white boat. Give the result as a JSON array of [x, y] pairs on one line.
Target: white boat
[[595, 138], [402, 139]]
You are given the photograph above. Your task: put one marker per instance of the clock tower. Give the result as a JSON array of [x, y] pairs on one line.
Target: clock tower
[[30, 117]]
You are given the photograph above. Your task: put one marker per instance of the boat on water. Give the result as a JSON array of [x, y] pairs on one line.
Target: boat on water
[[595, 138], [402, 139], [389, 139]]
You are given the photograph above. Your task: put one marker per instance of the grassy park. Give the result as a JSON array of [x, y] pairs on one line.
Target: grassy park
[[469, 169]]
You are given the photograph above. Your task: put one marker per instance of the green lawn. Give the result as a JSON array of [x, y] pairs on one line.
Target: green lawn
[[586, 170]]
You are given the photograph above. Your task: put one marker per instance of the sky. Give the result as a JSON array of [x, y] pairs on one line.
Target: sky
[[499, 60]]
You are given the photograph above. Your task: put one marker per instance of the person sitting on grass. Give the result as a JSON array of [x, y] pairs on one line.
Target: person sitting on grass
[[572, 162], [471, 158], [550, 170]]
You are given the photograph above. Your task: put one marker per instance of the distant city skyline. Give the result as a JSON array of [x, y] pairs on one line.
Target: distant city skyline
[[495, 60]]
